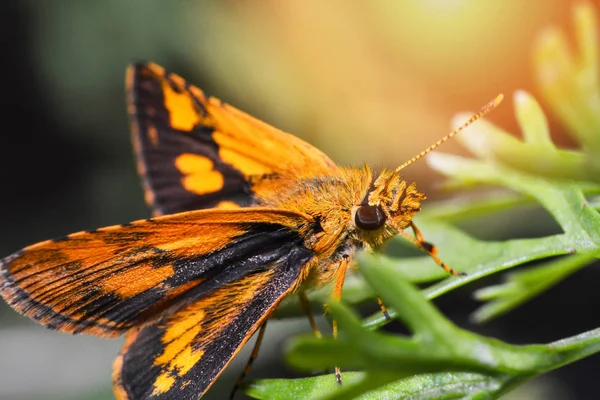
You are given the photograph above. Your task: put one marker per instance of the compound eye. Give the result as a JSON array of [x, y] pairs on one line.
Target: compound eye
[[369, 218]]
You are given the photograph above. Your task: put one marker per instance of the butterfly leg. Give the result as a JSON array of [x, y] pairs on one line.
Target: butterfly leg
[[306, 308], [384, 310], [253, 355], [337, 295], [429, 248]]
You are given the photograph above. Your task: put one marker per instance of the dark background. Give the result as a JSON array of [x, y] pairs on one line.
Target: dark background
[[329, 73]]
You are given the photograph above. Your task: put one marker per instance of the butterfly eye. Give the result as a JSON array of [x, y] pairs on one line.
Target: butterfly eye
[[369, 218]]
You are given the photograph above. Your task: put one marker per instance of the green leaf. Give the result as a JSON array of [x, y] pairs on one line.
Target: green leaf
[[427, 386], [305, 388], [439, 359], [522, 286]]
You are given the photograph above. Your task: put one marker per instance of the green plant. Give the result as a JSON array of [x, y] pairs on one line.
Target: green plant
[[441, 360]]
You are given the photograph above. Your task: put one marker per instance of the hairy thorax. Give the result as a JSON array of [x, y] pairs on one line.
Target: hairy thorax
[[333, 201]]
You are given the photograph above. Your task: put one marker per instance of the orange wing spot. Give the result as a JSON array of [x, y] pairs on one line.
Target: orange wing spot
[[178, 356], [153, 135], [193, 245], [149, 196], [242, 162], [137, 280], [183, 115], [199, 175], [163, 384], [197, 326], [188, 246], [227, 205], [186, 360], [176, 335]]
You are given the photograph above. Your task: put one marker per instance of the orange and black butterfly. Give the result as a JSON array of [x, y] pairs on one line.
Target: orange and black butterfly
[[244, 214]]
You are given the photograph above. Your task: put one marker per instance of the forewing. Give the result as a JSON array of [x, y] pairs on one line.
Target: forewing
[[194, 151], [180, 356], [111, 280]]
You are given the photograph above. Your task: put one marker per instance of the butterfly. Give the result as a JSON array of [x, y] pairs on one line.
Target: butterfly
[[243, 215]]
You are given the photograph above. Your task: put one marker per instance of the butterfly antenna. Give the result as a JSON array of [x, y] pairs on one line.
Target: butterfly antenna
[[484, 110]]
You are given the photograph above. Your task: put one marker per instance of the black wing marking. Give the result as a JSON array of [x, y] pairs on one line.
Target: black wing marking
[[180, 356], [158, 143]]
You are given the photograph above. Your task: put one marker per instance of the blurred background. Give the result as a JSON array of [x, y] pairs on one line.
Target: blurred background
[[373, 81]]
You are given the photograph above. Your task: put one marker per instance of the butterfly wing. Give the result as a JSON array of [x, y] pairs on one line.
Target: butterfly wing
[[180, 356], [194, 151], [114, 279]]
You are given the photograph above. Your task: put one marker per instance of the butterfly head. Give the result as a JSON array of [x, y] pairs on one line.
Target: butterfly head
[[388, 207], [390, 203]]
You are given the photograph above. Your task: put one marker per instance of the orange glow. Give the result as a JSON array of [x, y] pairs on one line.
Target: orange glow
[[445, 6], [372, 81]]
